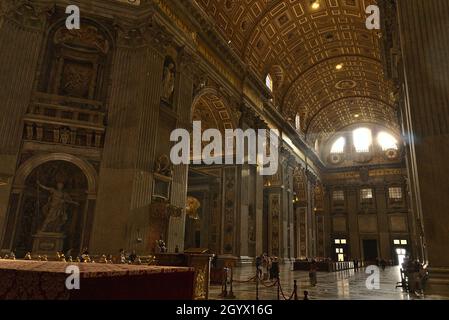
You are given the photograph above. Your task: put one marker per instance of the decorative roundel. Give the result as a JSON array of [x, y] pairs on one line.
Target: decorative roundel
[[346, 85], [391, 154], [336, 158]]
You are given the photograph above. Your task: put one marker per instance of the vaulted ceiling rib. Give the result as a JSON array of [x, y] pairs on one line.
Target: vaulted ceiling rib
[[303, 46]]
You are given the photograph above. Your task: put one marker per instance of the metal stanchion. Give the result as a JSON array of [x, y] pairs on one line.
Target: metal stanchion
[[231, 293], [257, 284], [279, 288], [295, 290], [224, 290]]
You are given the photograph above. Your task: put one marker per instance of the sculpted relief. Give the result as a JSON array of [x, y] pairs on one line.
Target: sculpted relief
[[168, 81], [55, 209]]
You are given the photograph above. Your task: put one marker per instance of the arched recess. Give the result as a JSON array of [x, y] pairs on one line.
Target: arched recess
[[213, 185], [28, 166], [30, 204], [216, 110]]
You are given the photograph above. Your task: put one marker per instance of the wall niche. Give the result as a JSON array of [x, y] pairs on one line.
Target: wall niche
[[76, 65]]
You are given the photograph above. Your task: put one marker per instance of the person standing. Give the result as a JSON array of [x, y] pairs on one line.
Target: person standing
[[274, 268], [259, 266], [356, 265], [383, 264], [312, 273], [306, 295]]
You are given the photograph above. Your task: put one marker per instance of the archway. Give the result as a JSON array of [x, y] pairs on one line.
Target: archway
[[206, 183], [33, 201]]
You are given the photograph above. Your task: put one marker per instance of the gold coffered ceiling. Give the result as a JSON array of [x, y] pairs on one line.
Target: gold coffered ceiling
[[301, 47]]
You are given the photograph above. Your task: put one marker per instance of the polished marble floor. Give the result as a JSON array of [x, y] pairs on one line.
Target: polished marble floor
[[344, 285]]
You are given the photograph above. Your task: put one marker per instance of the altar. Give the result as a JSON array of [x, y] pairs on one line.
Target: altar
[[46, 280]]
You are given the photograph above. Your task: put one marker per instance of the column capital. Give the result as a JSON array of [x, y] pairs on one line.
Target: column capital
[[144, 34]]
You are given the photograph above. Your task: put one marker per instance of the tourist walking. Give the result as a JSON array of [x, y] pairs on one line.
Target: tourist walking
[[312, 273]]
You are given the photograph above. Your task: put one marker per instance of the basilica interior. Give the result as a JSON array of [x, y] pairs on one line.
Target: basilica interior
[[362, 116]]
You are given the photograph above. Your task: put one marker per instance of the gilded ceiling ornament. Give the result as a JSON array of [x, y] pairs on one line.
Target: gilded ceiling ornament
[[192, 206], [294, 49]]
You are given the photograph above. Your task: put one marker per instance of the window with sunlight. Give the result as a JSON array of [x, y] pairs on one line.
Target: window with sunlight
[[387, 141], [269, 82], [298, 122], [338, 146], [362, 139]]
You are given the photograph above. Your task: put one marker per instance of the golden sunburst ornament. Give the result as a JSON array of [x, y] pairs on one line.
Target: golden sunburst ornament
[[192, 206]]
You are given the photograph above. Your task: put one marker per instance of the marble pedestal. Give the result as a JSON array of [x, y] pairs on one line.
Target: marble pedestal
[[438, 281], [48, 243]]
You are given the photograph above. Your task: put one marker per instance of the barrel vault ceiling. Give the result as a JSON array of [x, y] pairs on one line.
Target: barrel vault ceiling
[[325, 63]]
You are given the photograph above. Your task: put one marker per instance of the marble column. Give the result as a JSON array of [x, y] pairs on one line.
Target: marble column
[[425, 50], [125, 187], [383, 223], [243, 215], [183, 109], [353, 223], [327, 215], [311, 245], [289, 212], [230, 204], [291, 226], [259, 198], [21, 35]]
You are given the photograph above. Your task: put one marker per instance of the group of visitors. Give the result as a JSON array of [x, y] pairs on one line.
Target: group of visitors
[[267, 267], [416, 274], [271, 267]]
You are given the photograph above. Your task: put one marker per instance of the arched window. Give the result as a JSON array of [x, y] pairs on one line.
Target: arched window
[[362, 139], [339, 146], [298, 122], [387, 141], [269, 82], [317, 145]]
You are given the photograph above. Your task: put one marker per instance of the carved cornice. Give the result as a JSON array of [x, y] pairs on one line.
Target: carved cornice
[[26, 13], [210, 33], [188, 62], [147, 33]]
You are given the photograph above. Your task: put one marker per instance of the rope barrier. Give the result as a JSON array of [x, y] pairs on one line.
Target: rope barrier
[[245, 281], [257, 279], [269, 285], [282, 292]]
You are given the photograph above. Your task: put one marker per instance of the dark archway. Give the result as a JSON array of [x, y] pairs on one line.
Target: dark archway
[[34, 205]]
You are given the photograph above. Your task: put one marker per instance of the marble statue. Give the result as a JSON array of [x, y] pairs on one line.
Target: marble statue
[[55, 209], [168, 82]]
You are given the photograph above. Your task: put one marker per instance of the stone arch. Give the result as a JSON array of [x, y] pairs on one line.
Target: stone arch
[[28, 166], [210, 104], [28, 202]]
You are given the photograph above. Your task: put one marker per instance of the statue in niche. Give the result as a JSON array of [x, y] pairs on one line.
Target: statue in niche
[[163, 166], [55, 209], [168, 82]]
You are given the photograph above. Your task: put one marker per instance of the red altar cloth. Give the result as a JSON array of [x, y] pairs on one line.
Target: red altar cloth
[[45, 280]]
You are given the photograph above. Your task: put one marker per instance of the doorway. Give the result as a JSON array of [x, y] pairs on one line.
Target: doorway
[[370, 252], [400, 255]]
